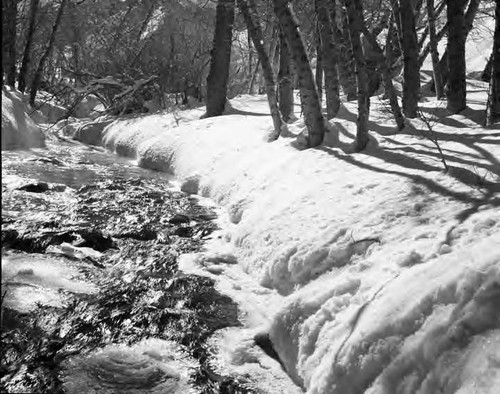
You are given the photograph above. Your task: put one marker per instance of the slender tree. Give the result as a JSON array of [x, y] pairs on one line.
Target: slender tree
[[21, 78], [456, 88], [37, 78], [285, 86], [330, 56], [438, 78], [409, 43], [9, 15], [354, 15], [220, 57], [347, 72], [493, 105], [309, 95], [255, 31]]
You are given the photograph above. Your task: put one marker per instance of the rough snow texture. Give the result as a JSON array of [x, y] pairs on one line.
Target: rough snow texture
[[390, 268], [18, 129]]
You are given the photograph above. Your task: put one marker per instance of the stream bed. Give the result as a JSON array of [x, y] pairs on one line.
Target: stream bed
[[93, 299]]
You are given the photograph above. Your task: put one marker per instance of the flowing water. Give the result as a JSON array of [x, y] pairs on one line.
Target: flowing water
[[93, 299]]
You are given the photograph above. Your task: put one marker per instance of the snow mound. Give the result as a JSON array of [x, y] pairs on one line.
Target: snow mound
[[389, 268], [18, 129]]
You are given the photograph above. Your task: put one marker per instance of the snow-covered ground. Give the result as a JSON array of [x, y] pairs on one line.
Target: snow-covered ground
[[378, 272]]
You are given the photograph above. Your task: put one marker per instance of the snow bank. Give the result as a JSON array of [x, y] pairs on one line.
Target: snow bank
[[18, 129], [390, 268]]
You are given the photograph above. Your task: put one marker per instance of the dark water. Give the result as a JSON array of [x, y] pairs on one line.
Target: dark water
[[97, 248]]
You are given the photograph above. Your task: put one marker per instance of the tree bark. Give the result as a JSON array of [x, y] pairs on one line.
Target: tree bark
[[330, 57], [493, 104], [386, 62], [354, 15], [347, 72], [285, 86], [318, 75], [37, 78], [411, 69], [470, 14], [309, 95], [220, 57], [456, 88], [9, 15], [253, 26], [434, 49]]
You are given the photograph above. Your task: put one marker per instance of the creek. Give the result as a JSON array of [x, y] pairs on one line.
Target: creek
[[92, 296]]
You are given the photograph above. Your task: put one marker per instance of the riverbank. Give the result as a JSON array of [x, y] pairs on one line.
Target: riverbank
[[377, 254]]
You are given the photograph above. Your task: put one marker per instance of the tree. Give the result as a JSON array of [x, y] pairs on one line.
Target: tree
[[37, 78], [220, 58], [330, 56], [309, 95], [250, 16], [411, 70], [493, 105], [438, 78], [285, 87], [9, 15], [456, 88], [21, 79], [354, 16]]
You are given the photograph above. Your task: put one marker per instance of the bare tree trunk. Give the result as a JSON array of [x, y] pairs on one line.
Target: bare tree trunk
[[253, 26], [386, 62], [21, 78], [318, 76], [438, 79], [37, 78], [411, 70], [493, 104], [456, 88], [309, 95], [285, 88], [470, 14], [347, 72], [439, 35], [354, 15], [9, 15], [330, 56], [220, 58]]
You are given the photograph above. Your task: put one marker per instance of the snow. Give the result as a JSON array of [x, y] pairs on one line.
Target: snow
[[372, 272], [18, 129]]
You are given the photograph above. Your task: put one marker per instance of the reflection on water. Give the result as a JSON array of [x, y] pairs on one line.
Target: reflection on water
[[150, 366]]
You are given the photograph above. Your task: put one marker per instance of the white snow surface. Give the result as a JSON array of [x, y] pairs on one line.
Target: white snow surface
[[378, 272]]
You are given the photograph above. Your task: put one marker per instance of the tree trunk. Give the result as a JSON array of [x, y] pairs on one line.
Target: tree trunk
[[456, 88], [253, 26], [285, 88], [493, 105], [37, 78], [354, 15], [21, 79], [330, 57], [390, 91], [347, 72], [411, 70], [9, 15], [468, 23], [318, 75], [434, 50], [309, 95], [220, 57]]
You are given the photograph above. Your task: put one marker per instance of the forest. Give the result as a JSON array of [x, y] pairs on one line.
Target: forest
[[250, 196], [128, 52]]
